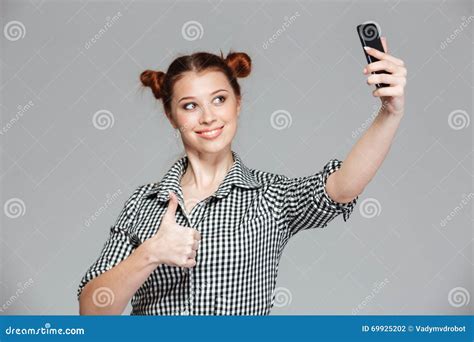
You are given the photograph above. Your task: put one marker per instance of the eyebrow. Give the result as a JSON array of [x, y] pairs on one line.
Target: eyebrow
[[191, 97]]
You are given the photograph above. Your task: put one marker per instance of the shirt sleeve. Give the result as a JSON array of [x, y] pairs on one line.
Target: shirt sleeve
[[305, 204], [119, 243]]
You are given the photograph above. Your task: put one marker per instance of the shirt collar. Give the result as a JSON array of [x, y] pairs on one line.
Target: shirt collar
[[239, 175]]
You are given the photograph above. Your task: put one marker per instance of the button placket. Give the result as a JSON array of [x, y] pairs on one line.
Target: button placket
[[196, 215], [186, 310], [190, 299]]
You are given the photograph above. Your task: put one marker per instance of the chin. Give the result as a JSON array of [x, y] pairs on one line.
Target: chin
[[211, 147]]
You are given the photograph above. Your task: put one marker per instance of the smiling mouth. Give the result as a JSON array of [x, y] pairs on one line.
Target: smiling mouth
[[211, 134]]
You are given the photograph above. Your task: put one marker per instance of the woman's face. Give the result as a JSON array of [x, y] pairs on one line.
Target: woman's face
[[202, 102]]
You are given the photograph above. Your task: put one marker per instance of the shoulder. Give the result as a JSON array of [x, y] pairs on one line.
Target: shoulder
[[267, 178], [139, 192], [143, 189]]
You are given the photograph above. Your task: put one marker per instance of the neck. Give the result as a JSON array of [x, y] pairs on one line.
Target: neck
[[206, 170]]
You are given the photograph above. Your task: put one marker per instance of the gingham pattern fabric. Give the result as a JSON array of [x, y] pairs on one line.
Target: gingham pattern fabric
[[244, 227]]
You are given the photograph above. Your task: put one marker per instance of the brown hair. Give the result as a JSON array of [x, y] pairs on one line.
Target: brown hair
[[236, 64]]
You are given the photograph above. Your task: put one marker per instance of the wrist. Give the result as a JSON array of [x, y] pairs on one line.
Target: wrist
[[391, 116], [147, 252], [390, 112]]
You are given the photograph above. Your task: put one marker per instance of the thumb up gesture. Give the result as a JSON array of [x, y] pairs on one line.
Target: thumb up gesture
[[173, 244]]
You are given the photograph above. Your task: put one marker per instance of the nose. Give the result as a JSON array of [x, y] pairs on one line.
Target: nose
[[207, 115]]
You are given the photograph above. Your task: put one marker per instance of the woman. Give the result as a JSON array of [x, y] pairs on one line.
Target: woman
[[207, 238]]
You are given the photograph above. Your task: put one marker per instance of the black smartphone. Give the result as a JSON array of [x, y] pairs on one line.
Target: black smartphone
[[369, 36]]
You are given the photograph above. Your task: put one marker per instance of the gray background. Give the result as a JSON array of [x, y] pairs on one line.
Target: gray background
[[58, 169]]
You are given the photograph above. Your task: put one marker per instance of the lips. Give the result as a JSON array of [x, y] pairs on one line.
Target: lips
[[209, 130], [210, 134]]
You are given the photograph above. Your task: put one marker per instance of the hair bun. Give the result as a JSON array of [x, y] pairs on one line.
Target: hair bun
[[154, 80], [240, 63]]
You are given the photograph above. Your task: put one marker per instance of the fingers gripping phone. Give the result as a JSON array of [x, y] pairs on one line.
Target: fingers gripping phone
[[369, 36]]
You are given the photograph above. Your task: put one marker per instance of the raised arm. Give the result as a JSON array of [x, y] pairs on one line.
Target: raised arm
[[367, 155]]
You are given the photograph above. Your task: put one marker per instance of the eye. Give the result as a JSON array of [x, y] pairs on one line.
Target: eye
[[220, 97], [187, 104]]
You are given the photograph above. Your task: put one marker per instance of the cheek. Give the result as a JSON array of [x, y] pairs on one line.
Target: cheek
[[229, 113], [231, 125], [186, 123]]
